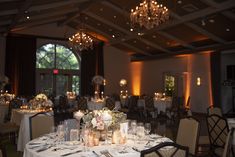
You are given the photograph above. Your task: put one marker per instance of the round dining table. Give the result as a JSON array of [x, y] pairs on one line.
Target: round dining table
[[48, 146]]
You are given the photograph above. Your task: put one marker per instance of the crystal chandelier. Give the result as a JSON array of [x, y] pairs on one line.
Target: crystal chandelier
[[149, 14], [81, 41]]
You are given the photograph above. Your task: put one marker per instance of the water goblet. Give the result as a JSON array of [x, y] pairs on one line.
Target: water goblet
[[147, 128]]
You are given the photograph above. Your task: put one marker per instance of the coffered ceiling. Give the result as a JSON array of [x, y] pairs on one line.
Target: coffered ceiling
[[194, 25]]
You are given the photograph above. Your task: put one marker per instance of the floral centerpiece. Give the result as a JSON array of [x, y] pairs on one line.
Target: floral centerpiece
[[41, 102], [101, 119]]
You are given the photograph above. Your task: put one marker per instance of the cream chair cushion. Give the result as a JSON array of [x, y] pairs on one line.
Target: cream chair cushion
[[188, 134], [41, 124]]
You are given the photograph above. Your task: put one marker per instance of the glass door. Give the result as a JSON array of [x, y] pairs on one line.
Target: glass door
[[61, 84]]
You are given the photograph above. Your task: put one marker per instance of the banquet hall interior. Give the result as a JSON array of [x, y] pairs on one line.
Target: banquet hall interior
[[135, 74]]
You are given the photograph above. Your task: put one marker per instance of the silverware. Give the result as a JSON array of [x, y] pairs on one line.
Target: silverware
[[78, 151], [43, 149], [136, 149], [95, 153], [106, 153]]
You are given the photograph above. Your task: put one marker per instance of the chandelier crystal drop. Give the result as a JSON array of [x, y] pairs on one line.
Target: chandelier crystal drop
[[148, 14], [81, 41]]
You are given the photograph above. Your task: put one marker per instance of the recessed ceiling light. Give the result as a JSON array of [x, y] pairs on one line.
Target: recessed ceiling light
[[179, 2], [98, 24], [101, 9], [86, 18], [127, 23], [154, 36], [211, 20], [28, 17], [134, 41], [227, 29], [131, 29], [140, 33], [115, 16], [113, 36], [26, 11]]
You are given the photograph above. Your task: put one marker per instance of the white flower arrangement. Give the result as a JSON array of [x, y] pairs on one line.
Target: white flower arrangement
[[41, 97], [99, 119], [41, 101]]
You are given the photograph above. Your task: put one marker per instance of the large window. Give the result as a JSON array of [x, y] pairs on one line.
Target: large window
[[57, 70]]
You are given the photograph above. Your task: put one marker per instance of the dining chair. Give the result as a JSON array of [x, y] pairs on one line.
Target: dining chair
[[214, 110], [1, 153], [110, 103], [188, 133], [166, 149], [9, 131], [82, 103], [228, 149], [149, 105], [218, 131], [40, 124]]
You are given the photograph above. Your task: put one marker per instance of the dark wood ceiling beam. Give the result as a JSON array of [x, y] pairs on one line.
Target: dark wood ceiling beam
[[43, 21], [5, 22], [199, 29], [111, 39], [211, 48], [203, 31], [217, 5], [169, 36], [47, 14], [112, 5], [82, 7], [186, 18], [24, 7], [125, 31], [8, 12], [54, 5]]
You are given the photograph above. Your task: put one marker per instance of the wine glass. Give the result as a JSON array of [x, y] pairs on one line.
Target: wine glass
[[147, 128]]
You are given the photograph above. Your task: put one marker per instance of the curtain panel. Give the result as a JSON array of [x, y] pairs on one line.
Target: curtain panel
[[91, 65], [20, 64], [215, 61]]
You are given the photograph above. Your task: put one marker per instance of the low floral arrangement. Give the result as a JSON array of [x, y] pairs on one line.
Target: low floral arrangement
[[101, 119], [41, 101]]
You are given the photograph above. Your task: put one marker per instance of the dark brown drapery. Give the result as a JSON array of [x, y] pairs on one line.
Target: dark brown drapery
[[215, 60], [91, 65], [20, 64]]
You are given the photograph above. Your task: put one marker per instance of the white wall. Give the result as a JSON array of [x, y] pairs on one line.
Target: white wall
[[147, 77], [2, 55], [199, 66], [226, 91]]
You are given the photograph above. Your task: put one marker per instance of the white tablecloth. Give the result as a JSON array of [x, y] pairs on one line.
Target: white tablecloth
[[92, 105], [21, 118], [160, 105], [116, 150]]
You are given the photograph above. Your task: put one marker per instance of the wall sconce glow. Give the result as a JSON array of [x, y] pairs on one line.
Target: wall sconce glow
[[136, 70], [198, 81]]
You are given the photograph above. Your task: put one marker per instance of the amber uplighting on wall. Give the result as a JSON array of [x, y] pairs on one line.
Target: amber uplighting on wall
[[136, 71]]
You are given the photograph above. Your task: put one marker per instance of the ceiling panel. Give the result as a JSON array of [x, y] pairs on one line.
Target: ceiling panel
[[141, 45], [101, 26], [160, 40], [110, 15], [186, 33], [219, 25]]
